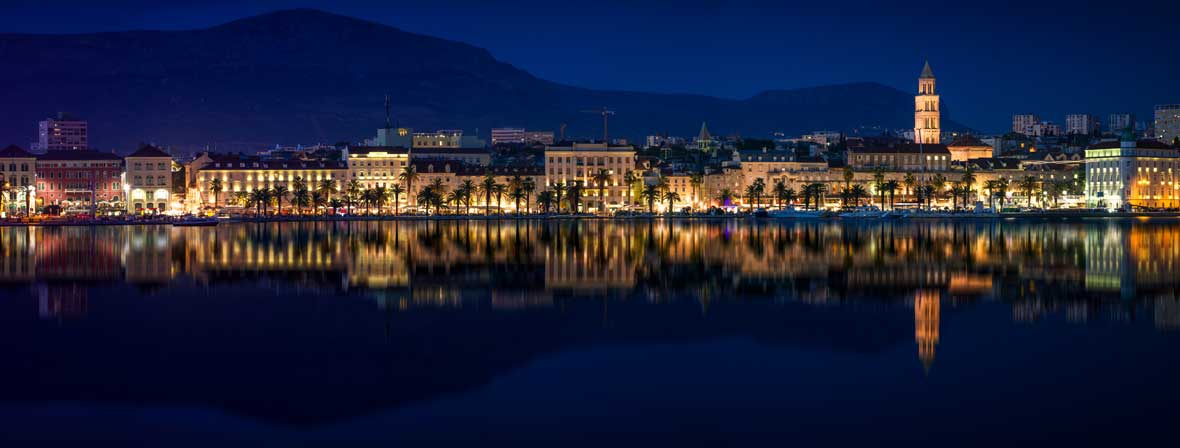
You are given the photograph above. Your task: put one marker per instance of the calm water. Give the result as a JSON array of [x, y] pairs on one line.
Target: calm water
[[687, 333]]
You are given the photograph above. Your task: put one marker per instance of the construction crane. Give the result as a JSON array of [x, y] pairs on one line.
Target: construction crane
[[606, 113]]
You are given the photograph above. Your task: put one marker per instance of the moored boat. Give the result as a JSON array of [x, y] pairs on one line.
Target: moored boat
[[794, 213], [195, 222]]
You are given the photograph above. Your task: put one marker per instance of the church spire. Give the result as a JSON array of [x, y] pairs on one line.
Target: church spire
[[927, 72]]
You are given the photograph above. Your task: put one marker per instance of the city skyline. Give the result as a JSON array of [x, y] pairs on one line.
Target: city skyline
[[731, 51]]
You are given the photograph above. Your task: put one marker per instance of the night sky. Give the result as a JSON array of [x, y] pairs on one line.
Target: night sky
[[992, 59]]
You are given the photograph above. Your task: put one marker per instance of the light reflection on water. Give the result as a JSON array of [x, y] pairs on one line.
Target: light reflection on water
[[422, 292]]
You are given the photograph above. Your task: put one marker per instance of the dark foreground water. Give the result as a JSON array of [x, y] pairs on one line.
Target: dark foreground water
[[593, 333]]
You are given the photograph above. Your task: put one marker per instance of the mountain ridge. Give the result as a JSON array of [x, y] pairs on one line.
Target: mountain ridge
[[307, 76]]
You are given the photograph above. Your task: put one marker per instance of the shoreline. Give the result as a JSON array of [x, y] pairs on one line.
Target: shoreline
[[1038, 216]]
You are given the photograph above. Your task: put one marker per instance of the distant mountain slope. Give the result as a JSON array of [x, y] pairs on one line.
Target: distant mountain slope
[[305, 76]]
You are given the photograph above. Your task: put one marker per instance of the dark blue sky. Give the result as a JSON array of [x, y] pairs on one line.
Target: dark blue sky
[[992, 59]]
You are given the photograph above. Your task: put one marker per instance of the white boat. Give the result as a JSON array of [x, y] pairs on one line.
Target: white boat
[[195, 222], [794, 213], [869, 212]]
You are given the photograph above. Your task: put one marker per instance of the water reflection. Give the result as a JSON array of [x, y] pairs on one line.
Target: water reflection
[[848, 286]]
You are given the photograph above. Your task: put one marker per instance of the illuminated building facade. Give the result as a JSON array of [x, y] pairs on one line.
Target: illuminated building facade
[[377, 166], [507, 136], [966, 147], [901, 157], [773, 165], [1130, 174], [446, 138], [79, 180], [581, 161], [18, 175], [246, 174], [148, 181]]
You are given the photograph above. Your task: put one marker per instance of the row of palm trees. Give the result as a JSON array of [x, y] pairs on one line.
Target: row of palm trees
[[959, 192]]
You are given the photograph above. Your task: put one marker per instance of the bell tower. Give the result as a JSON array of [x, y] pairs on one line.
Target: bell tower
[[926, 115]]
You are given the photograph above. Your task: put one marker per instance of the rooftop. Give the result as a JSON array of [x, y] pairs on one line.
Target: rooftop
[[13, 151], [903, 148], [77, 154], [149, 151]]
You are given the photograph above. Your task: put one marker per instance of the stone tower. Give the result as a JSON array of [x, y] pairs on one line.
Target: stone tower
[[926, 115]]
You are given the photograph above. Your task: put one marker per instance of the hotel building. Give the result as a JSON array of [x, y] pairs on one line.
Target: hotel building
[[148, 180], [581, 161], [1130, 174], [246, 174]]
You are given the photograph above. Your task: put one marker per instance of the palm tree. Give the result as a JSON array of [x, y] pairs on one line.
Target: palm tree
[[241, 198], [629, 179], [671, 197], [858, 193], [816, 190], [279, 192], [939, 184], [488, 186], [1028, 185], [545, 200], [409, 175], [367, 198], [215, 186], [574, 193], [464, 192], [968, 180], [849, 174], [1002, 190], [759, 190], [260, 198], [780, 191], [725, 196], [318, 200], [788, 196], [879, 183], [909, 181], [651, 194], [696, 180], [327, 187], [301, 198], [600, 179], [352, 192], [425, 196], [516, 195], [558, 190], [891, 186], [528, 186], [751, 192], [396, 192], [455, 198], [498, 191], [380, 193]]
